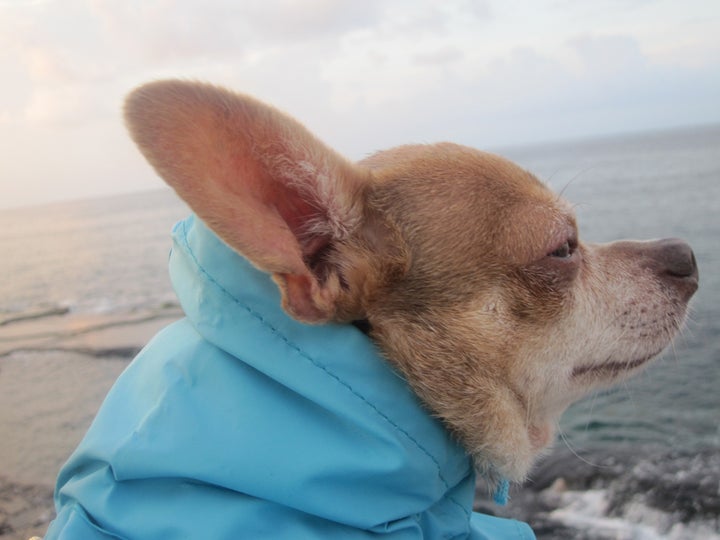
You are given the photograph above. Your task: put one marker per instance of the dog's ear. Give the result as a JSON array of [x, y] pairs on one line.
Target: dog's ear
[[258, 178]]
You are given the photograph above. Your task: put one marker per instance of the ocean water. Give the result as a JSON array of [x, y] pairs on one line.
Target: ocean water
[[639, 461], [90, 256]]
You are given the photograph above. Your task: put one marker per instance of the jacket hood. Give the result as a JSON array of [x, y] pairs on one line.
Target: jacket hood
[[346, 418]]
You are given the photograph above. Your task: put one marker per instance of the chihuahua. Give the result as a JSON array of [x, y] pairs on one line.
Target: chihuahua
[[466, 271]]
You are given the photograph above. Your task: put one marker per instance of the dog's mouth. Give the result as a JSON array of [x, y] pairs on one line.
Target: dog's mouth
[[611, 369]]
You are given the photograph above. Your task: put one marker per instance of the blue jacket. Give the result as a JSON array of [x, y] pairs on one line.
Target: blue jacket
[[240, 422]]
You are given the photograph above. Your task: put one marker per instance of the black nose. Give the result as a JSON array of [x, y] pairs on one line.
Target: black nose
[[675, 258]]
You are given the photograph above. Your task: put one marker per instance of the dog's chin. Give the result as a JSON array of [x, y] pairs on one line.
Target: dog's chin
[[541, 436], [585, 378], [516, 469]]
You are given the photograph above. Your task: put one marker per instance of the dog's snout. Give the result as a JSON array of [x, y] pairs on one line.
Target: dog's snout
[[672, 260], [675, 258]]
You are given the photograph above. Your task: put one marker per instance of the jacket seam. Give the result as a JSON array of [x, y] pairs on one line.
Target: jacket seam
[[320, 366]]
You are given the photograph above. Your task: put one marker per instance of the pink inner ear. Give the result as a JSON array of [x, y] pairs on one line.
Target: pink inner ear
[[296, 211], [253, 224], [257, 177], [275, 197]]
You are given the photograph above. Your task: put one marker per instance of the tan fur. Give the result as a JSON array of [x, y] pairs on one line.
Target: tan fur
[[446, 251]]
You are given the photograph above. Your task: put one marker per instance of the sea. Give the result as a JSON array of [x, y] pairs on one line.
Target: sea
[[640, 461]]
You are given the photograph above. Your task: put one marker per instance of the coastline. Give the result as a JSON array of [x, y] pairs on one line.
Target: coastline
[[55, 370], [617, 492], [25, 510]]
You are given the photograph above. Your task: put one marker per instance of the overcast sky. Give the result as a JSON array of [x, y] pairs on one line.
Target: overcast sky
[[364, 75]]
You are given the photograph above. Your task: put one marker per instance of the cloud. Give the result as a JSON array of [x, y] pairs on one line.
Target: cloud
[[603, 55], [67, 56], [592, 83], [66, 105], [363, 75], [48, 67], [442, 56], [291, 20], [53, 74], [184, 31]]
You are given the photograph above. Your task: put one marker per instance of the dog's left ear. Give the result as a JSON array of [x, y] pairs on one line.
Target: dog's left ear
[[258, 178]]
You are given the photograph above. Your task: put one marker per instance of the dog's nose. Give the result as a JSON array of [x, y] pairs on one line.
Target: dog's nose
[[670, 260], [676, 258]]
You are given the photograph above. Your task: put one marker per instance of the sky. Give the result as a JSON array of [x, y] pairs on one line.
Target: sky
[[363, 75]]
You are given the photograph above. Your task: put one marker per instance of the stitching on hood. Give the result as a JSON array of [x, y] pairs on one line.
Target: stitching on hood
[[318, 365]]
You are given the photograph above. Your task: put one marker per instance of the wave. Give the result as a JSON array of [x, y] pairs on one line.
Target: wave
[[125, 352], [99, 336], [35, 313], [620, 493]]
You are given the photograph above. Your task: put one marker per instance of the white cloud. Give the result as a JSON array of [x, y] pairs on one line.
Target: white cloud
[[185, 31], [608, 55], [364, 75]]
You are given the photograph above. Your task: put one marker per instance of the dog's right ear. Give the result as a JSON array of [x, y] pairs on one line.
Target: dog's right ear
[[258, 178]]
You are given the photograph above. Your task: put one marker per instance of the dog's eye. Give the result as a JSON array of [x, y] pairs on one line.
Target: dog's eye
[[563, 252]]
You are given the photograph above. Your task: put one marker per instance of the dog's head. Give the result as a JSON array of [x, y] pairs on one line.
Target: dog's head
[[468, 269]]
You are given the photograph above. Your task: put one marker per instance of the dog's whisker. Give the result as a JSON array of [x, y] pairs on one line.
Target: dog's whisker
[[593, 402], [569, 446], [630, 394], [576, 177]]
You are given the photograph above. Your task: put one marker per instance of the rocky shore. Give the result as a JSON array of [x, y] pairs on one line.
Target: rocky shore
[[55, 369], [618, 493], [25, 510]]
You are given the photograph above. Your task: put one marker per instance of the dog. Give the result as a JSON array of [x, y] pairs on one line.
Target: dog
[[466, 271]]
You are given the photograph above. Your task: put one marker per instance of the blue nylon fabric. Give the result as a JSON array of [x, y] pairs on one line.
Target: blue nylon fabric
[[240, 422]]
